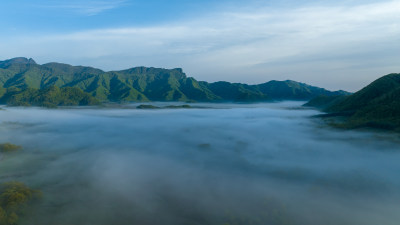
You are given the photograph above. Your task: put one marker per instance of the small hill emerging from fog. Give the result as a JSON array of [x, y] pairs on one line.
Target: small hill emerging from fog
[[376, 105], [21, 78]]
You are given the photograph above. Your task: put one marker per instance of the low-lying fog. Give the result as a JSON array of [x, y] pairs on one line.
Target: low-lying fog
[[261, 164]]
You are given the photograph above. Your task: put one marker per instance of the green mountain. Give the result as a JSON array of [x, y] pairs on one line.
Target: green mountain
[[141, 84], [377, 105], [52, 96]]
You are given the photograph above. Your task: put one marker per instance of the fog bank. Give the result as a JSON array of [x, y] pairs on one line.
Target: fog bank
[[227, 164]]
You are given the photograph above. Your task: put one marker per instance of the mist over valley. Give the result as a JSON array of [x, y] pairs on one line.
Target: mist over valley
[[267, 163]]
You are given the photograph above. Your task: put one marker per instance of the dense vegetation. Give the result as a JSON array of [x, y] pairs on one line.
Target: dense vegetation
[[14, 198], [8, 147], [377, 105], [139, 84], [52, 96]]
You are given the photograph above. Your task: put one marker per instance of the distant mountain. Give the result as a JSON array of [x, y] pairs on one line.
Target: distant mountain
[[377, 105], [143, 84]]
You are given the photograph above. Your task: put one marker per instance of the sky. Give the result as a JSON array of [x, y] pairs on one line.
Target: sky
[[341, 44]]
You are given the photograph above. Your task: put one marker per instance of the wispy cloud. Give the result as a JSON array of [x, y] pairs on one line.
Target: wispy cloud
[[342, 46], [89, 8]]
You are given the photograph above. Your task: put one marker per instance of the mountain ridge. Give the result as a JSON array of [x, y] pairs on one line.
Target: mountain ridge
[[376, 106], [141, 84]]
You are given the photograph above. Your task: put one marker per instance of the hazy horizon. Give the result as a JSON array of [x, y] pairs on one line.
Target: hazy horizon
[[342, 44]]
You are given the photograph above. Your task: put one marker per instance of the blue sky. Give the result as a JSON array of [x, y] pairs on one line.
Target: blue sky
[[342, 44]]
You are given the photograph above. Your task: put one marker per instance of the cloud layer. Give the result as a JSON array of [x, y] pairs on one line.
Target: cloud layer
[[236, 164]]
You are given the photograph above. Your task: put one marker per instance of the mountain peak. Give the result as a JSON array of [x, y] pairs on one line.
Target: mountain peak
[[21, 60], [17, 60]]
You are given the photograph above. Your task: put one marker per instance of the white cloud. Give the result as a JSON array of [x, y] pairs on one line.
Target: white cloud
[[89, 8], [334, 47]]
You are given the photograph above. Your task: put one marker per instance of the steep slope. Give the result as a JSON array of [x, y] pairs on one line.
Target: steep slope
[[145, 84], [376, 92], [376, 105], [49, 97], [323, 102]]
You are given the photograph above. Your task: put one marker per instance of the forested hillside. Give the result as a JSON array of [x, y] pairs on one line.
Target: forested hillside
[[139, 84], [377, 105]]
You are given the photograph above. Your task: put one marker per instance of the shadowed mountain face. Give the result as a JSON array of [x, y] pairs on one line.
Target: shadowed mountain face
[[146, 84], [19, 60], [376, 105]]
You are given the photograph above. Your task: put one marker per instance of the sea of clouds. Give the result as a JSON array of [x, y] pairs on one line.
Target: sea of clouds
[[222, 164]]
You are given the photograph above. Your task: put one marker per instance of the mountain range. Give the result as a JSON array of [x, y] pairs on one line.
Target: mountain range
[[24, 82], [140, 84], [376, 105]]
